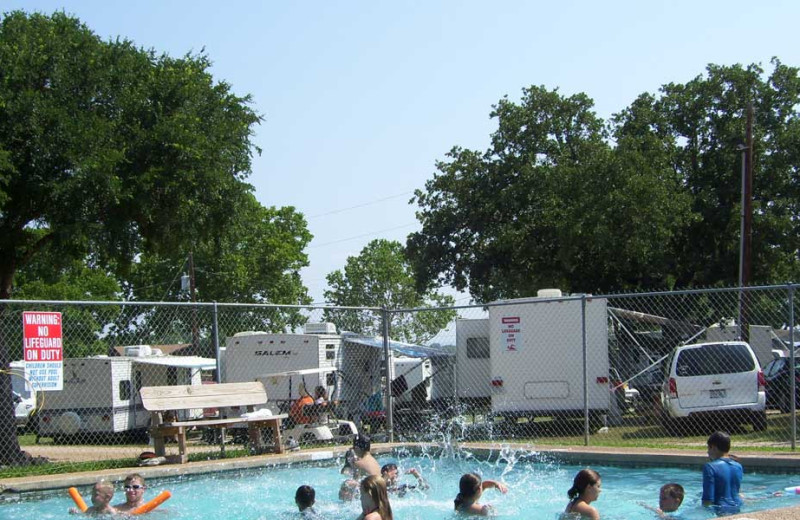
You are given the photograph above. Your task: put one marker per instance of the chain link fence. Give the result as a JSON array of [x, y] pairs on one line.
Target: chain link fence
[[636, 370]]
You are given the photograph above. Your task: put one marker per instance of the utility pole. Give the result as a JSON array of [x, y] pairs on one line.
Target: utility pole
[[195, 333], [746, 239]]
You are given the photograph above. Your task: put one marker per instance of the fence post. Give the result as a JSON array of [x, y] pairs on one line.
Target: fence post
[[215, 333], [585, 373], [388, 365], [792, 356]]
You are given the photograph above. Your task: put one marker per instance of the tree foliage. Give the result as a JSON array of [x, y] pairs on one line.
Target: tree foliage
[[648, 200], [380, 276], [114, 158]]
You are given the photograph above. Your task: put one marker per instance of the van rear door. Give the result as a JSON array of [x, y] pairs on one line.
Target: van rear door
[[716, 374]]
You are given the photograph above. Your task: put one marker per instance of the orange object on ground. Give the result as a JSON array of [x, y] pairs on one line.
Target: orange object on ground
[[78, 499], [145, 508]]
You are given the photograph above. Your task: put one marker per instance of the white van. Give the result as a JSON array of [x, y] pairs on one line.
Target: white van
[[720, 379]]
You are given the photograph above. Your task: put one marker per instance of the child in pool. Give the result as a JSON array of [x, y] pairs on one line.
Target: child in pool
[[470, 488], [670, 499], [585, 490], [102, 493], [722, 477], [374, 499]]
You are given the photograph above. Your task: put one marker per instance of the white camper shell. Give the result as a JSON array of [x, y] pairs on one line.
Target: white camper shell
[[536, 355], [101, 393], [247, 356]]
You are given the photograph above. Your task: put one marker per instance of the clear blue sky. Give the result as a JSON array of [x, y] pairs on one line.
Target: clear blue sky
[[361, 98]]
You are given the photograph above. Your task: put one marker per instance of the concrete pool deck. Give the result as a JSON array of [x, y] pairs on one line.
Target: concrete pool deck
[[778, 462]]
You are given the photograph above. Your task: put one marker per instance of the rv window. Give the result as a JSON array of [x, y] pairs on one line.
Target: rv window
[[330, 379], [138, 378], [125, 390], [477, 348], [330, 355]]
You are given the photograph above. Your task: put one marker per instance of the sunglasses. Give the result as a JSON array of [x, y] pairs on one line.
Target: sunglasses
[[133, 486]]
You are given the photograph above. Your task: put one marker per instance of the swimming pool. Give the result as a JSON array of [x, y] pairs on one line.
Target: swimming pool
[[537, 489]]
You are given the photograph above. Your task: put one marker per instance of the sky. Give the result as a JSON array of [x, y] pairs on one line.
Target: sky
[[360, 99]]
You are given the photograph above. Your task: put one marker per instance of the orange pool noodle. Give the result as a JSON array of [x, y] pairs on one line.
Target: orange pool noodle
[[78, 499], [145, 508]]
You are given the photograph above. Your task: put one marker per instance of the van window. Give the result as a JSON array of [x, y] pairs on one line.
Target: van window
[[477, 348], [714, 359]]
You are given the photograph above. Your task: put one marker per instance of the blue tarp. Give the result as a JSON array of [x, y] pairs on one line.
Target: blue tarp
[[406, 349]]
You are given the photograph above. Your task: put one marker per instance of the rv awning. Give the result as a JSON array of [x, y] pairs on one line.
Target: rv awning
[[406, 349], [178, 361]]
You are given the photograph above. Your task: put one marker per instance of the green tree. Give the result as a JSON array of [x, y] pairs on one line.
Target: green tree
[[380, 276], [701, 124], [256, 259], [108, 151], [550, 204]]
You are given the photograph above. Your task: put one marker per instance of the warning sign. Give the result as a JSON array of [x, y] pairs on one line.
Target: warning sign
[[43, 349], [510, 333]]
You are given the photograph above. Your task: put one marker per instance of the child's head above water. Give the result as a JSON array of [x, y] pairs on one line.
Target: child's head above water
[[670, 498], [102, 493], [304, 497], [584, 479]]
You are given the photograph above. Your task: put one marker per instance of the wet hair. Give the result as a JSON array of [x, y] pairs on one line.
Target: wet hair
[[673, 490], [386, 468], [468, 488], [134, 476], [584, 479], [320, 392], [721, 441], [304, 497], [104, 485], [361, 442], [348, 490], [375, 487]]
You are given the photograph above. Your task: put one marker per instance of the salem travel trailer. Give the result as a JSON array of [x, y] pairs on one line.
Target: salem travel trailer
[[101, 394], [249, 355]]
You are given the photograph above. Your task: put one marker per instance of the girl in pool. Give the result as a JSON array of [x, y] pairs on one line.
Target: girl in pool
[[470, 489], [374, 499], [585, 490]]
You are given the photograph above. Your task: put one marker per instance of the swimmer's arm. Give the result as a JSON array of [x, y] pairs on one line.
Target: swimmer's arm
[[421, 482], [486, 484], [659, 512]]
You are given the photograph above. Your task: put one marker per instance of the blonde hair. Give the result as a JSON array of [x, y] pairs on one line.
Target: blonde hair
[[375, 487]]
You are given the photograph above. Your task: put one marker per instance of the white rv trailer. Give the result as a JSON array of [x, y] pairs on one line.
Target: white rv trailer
[[249, 355], [536, 354], [101, 393], [473, 370]]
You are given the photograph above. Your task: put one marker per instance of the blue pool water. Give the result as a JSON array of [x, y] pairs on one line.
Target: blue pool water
[[537, 489]]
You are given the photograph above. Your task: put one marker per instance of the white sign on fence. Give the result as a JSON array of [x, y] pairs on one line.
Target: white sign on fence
[[511, 333], [43, 350]]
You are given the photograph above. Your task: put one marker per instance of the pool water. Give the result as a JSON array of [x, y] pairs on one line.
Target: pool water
[[537, 488]]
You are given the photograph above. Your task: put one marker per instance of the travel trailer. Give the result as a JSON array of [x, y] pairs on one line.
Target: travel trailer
[[101, 393], [527, 357], [250, 355]]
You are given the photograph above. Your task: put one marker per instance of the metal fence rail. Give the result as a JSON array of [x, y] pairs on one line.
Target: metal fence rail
[[621, 370]]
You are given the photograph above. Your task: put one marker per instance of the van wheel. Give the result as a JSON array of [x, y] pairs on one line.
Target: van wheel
[[759, 421]]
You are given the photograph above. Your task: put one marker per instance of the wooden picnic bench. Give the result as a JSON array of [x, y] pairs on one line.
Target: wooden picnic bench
[[160, 399]]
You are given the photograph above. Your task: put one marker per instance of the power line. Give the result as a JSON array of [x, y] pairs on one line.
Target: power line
[[362, 235], [341, 210]]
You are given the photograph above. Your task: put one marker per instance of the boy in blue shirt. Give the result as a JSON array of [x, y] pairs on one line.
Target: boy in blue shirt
[[722, 477]]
